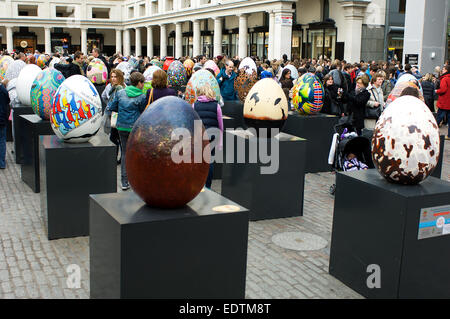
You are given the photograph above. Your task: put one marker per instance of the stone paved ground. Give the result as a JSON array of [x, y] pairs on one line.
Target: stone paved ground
[[33, 267]]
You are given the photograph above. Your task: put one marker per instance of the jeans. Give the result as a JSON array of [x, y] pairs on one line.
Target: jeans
[[2, 146], [440, 117], [123, 141]]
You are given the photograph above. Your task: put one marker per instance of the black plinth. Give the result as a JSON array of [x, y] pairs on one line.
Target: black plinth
[[68, 174], [437, 171], [235, 109], [18, 130], [318, 130], [267, 196], [137, 251], [33, 126], [228, 123], [379, 223], [9, 136]]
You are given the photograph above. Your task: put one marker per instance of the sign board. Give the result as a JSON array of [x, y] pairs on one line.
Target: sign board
[[283, 20], [434, 222], [412, 59]]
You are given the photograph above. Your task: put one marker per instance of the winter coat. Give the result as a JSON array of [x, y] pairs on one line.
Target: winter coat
[[226, 84], [376, 95], [68, 69], [330, 98], [428, 94], [357, 107], [444, 92], [129, 103], [4, 106], [387, 88]]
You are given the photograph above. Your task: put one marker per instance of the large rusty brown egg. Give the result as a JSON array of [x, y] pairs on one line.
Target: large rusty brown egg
[[167, 159], [405, 144]]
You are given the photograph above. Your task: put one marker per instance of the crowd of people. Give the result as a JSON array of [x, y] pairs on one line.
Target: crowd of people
[[349, 89]]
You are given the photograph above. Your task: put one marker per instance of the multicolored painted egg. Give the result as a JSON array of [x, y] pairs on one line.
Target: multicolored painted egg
[[156, 172], [248, 65], [405, 143], [167, 63], [148, 74], [97, 71], [189, 66], [244, 82], [126, 69], [41, 61], [398, 89], [25, 81], [176, 74], [43, 91], [14, 69], [410, 78], [134, 63], [77, 110], [5, 61], [158, 63], [266, 105], [210, 64], [307, 96], [197, 80]]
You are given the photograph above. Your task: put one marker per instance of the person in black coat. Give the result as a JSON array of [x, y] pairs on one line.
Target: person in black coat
[[332, 97], [4, 116], [357, 101], [429, 91], [73, 67]]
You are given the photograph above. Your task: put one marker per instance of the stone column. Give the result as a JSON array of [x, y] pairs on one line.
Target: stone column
[[138, 44], [271, 35], [126, 42], [178, 40], [196, 38], [119, 41], [9, 39], [354, 12], [217, 36], [282, 36], [243, 36], [84, 41], [48, 41], [150, 41], [163, 43]]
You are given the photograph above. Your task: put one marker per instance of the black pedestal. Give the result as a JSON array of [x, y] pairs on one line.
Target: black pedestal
[[394, 227], [267, 196], [137, 251], [68, 174], [33, 126], [228, 123], [18, 130], [318, 130], [9, 136], [437, 171], [235, 109]]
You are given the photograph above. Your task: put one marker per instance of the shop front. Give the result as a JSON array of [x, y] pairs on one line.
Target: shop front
[[321, 40]]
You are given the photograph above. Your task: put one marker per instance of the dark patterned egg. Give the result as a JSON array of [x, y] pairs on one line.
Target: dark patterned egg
[[244, 82]]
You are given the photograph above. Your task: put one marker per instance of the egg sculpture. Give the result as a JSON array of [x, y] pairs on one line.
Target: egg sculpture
[[176, 74], [25, 81], [294, 71], [77, 110], [5, 61], [134, 63], [189, 66], [244, 82], [43, 91], [398, 89], [167, 63], [409, 78], [197, 80], [41, 61], [265, 106], [248, 65], [148, 74], [155, 172], [307, 95], [14, 69], [53, 61], [126, 69], [210, 64], [97, 71], [157, 63], [405, 143]]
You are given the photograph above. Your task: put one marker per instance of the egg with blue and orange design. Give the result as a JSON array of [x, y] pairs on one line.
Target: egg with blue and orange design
[[77, 112]]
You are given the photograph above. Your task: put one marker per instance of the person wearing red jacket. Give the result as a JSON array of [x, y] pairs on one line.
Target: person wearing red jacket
[[443, 102]]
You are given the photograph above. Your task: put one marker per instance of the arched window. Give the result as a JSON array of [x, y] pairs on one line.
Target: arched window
[[326, 10]]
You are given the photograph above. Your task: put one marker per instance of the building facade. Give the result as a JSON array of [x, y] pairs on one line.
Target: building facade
[[344, 29]]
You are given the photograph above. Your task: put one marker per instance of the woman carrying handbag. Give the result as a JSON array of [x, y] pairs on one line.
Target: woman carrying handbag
[[375, 105]]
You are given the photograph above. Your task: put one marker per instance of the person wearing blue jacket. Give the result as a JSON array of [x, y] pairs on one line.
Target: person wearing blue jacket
[[4, 116], [226, 79], [129, 103]]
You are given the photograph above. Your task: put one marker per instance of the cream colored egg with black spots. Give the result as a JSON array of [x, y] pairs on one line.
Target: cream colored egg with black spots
[[265, 106], [405, 143]]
